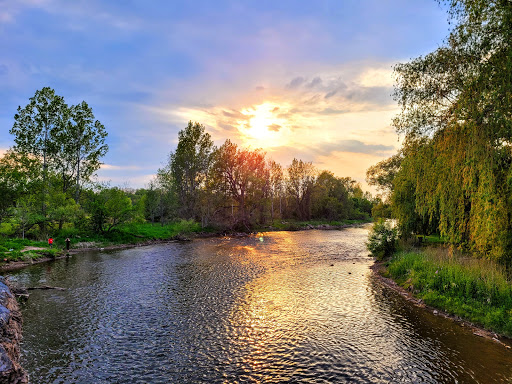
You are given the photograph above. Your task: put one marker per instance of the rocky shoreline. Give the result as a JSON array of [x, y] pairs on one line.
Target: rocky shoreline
[[11, 371]]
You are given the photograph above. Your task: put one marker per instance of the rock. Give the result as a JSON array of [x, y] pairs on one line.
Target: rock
[[436, 312], [10, 337]]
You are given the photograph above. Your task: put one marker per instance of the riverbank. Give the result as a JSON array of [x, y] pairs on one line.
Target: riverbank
[[474, 293], [10, 337], [39, 252]]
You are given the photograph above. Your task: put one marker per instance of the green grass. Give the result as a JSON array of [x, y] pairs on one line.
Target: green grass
[[128, 234], [474, 289], [434, 239], [10, 249]]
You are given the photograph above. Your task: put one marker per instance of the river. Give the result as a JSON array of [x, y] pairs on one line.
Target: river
[[278, 307]]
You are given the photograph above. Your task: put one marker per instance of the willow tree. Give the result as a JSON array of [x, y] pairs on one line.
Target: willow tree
[[457, 120]]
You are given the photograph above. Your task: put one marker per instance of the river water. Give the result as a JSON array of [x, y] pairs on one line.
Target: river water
[[279, 307]]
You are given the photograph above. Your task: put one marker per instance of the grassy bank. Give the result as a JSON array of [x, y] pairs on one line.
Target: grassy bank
[[24, 249], [16, 249], [474, 289]]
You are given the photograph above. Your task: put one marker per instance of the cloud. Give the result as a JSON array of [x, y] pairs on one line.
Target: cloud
[[330, 94], [354, 146], [315, 82], [295, 83], [111, 167], [377, 77], [274, 127], [234, 114], [333, 111]]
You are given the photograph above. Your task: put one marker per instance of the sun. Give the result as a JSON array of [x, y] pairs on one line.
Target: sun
[[263, 126]]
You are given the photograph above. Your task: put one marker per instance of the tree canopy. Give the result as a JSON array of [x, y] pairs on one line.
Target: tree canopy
[[456, 109]]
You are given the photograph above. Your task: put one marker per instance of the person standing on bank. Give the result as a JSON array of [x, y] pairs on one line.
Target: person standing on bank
[[67, 244]]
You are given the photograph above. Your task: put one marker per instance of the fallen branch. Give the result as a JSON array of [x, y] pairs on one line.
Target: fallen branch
[[46, 287]]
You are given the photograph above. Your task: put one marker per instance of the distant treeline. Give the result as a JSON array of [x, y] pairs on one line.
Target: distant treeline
[[238, 188], [453, 175], [47, 184]]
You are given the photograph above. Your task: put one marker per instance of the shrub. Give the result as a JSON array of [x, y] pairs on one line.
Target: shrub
[[382, 239]]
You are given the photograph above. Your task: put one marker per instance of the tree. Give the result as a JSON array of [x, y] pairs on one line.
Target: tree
[[37, 125], [109, 208], [81, 145], [300, 182], [382, 174], [457, 120], [189, 165], [242, 175], [69, 140], [276, 185], [331, 198], [20, 176]]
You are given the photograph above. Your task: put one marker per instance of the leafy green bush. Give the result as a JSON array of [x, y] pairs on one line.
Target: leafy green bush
[[382, 239]]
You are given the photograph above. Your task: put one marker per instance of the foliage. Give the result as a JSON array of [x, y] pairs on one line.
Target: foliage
[[300, 183], [81, 145], [475, 289], [46, 188], [381, 210], [382, 239], [110, 208], [382, 174], [189, 165], [242, 175], [331, 198], [456, 103]]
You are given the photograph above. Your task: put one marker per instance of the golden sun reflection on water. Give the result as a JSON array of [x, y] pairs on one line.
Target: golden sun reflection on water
[[289, 305]]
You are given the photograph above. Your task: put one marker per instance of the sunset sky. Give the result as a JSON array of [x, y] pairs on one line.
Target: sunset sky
[[305, 79]]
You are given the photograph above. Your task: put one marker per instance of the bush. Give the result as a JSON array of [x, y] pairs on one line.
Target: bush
[[382, 239]]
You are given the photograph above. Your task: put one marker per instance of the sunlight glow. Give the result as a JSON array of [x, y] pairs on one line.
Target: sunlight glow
[[263, 127]]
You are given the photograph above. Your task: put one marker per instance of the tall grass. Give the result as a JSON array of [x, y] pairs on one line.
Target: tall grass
[[475, 289]]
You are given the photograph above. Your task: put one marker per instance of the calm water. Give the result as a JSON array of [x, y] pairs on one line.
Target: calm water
[[285, 307]]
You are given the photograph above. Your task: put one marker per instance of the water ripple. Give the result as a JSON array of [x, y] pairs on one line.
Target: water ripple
[[287, 307]]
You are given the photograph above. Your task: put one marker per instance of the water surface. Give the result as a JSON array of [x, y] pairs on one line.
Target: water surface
[[281, 307]]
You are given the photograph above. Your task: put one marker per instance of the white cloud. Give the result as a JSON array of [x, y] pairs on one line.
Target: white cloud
[[111, 167], [377, 77]]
